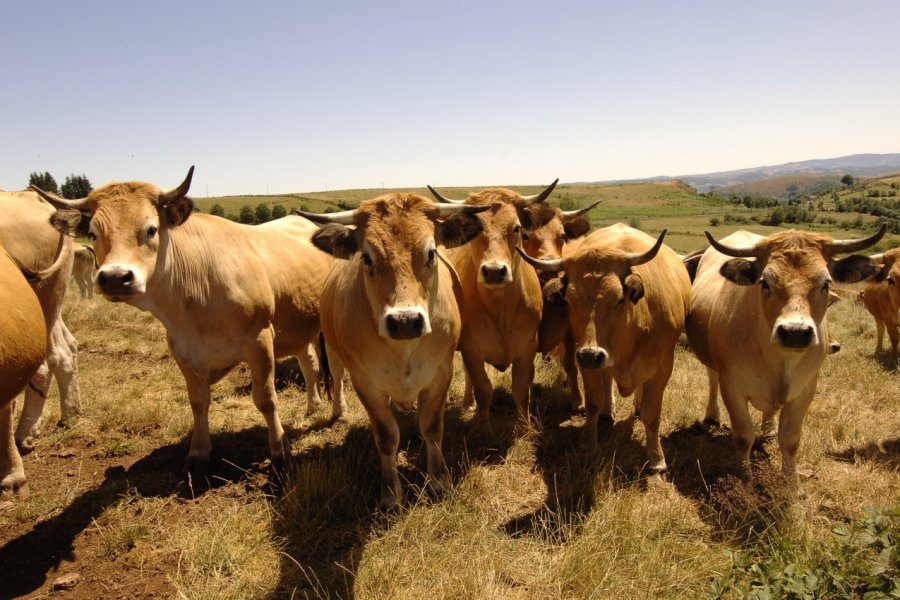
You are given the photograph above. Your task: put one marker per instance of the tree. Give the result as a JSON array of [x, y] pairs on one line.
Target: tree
[[44, 181], [247, 216], [76, 186], [217, 209], [848, 180], [278, 211], [263, 214]]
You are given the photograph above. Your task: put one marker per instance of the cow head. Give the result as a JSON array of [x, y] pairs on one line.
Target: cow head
[[601, 290], [889, 273], [545, 228], [129, 223], [395, 239], [793, 272], [503, 230]]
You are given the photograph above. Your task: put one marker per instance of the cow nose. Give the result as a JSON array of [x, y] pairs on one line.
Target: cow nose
[[116, 280], [794, 335], [591, 357], [405, 324], [834, 347], [495, 272]]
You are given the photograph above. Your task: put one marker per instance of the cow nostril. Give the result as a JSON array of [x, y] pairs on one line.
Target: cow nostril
[[127, 277], [101, 278], [418, 323]]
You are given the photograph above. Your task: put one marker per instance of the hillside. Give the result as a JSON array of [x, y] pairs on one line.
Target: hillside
[[784, 186]]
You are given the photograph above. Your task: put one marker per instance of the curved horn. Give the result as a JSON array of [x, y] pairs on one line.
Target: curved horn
[[729, 251], [574, 214], [551, 265], [542, 196], [443, 199], [446, 210], [877, 258], [635, 259], [838, 246], [179, 192], [58, 202], [345, 217]]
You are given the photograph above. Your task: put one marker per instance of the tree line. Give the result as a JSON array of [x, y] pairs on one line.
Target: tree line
[[249, 215], [75, 186]]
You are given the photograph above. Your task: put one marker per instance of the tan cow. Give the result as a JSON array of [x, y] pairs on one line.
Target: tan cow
[[502, 308], [28, 236], [882, 299], [627, 297], [547, 230], [23, 340], [226, 293], [84, 268], [390, 314], [758, 323]]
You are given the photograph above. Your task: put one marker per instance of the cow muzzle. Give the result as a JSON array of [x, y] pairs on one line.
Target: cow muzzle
[[592, 357], [405, 324], [795, 334], [495, 273], [119, 282]]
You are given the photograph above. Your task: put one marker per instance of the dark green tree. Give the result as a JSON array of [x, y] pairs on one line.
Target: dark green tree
[[76, 186], [848, 180], [278, 211], [247, 216], [44, 181], [218, 210], [263, 214]]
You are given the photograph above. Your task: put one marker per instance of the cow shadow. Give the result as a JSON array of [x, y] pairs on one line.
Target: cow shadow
[[885, 454], [886, 361]]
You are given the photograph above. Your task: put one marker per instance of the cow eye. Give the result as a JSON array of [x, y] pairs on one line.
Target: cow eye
[[890, 280], [826, 286], [432, 256], [619, 303], [151, 231], [367, 260], [91, 236], [517, 229], [764, 285]]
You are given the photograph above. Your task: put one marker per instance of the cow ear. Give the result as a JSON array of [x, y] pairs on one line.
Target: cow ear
[[457, 230], [67, 221], [634, 287], [337, 240], [177, 211], [576, 228], [853, 268], [691, 263], [741, 271], [554, 291]]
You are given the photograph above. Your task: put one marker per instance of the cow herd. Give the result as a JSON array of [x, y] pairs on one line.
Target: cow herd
[[398, 285]]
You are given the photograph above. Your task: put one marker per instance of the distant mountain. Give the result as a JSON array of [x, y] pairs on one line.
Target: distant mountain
[[855, 164]]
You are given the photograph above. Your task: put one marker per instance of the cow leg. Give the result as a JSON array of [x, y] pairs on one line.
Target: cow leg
[[789, 429], [712, 418], [741, 430], [431, 425], [66, 372], [468, 392], [483, 389], [894, 334], [12, 472], [261, 359], [35, 396], [879, 335], [651, 408], [638, 398], [768, 424], [198, 394], [522, 378], [387, 439], [571, 369], [338, 403], [597, 404], [309, 365]]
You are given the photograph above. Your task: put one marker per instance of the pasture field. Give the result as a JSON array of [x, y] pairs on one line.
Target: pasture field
[[528, 515]]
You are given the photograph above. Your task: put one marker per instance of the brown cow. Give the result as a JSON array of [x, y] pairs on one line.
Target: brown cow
[[226, 293], [390, 314], [882, 300], [502, 308], [23, 339], [760, 328], [627, 297], [84, 268], [30, 239]]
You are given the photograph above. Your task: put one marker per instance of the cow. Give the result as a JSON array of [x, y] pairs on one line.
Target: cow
[[502, 307], [391, 317], [23, 342], [83, 269], [758, 323], [882, 299], [627, 296], [34, 244], [226, 293], [547, 230]]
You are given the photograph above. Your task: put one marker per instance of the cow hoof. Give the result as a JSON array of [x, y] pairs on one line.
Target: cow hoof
[[196, 472], [25, 446], [577, 409], [710, 423], [15, 483], [313, 407]]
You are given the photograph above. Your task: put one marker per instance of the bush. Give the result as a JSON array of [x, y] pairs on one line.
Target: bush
[[217, 210], [247, 216], [278, 211], [634, 222], [714, 222], [263, 214]]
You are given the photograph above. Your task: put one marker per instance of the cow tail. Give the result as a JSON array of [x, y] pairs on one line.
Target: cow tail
[[324, 369]]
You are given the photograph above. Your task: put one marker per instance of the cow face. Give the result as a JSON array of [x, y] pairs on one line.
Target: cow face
[[793, 272], [395, 241], [889, 273], [129, 225], [546, 229]]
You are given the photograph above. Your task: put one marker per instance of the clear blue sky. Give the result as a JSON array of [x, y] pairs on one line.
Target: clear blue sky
[[296, 96]]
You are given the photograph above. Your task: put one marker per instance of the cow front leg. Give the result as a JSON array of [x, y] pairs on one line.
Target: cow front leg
[[571, 369], [790, 424], [879, 335], [336, 367], [741, 430], [478, 379], [431, 425], [894, 335], [309, 365], [651, 410], [33, 408], [598, 405], [522, 378], [712, 417], [387, 441], [197, 460], [12, 472], [65, 369], [261, 360]]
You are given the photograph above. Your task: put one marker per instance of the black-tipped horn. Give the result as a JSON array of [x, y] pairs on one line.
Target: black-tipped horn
[[552, 265], [542, 196], [179, 192], [635, 259], [574, 214], [838, 246], [59, 202], [729, 250], [346, 217], [443, 199]]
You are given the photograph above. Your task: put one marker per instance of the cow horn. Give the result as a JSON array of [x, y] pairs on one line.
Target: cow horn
[[574, 214], [345, 217], [877, 258], [179, 192], [552, 265], [729, 250], [838, 246], [446, 210], [443, 199], [635, 259], [529, 200], [58, 202]]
